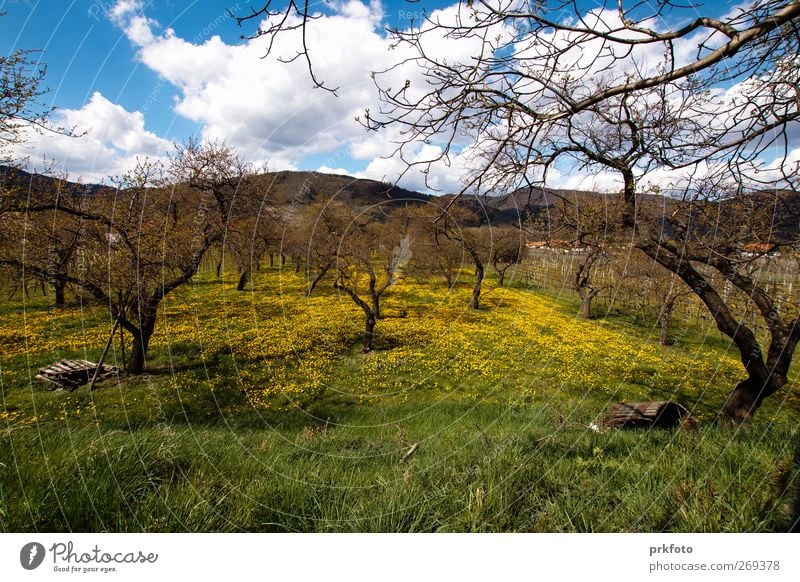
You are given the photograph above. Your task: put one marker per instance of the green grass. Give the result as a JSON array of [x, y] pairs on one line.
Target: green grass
[[504, 446]]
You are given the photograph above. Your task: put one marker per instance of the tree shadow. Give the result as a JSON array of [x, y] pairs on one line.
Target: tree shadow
[[794, 526]]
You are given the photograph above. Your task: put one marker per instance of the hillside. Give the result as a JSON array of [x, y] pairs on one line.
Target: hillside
[[290, 187]]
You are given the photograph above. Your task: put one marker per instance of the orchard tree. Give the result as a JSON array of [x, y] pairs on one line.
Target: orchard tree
[[707, 110], [507, 250], [372, 257], [319, 231], [140, 241], [22, 76], [51, 244], [246, 242], [471, 230], [436, 255]]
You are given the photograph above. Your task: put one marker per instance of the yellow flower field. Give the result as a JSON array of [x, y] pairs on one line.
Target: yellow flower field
[[288, 350]]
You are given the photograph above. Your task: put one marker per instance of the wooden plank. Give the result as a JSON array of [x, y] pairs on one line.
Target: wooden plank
[[60, 367], [72, 374], [40, 377], [662, 413], [74, 365]]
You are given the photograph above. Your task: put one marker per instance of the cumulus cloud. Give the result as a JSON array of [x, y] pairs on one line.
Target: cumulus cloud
[[268, 108], [263, 106], [107, 140]]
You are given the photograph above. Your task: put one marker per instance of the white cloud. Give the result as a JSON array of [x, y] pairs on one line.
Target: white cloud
[[269, 109], [265, 107], [108, 140]]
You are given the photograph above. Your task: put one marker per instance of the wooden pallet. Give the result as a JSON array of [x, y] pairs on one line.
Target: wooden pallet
[[72, 374], [661, 414]]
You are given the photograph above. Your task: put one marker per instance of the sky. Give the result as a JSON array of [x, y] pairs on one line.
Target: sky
[[136, 75]]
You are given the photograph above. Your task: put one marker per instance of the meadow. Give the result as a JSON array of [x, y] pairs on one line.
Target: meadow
[[259, 413]]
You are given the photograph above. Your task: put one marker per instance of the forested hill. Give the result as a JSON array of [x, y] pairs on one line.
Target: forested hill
[[25, 183], [288, 187]]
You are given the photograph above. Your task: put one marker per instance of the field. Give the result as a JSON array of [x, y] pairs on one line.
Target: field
[[259, 413]]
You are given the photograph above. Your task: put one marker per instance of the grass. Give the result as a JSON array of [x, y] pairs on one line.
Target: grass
[[259, 414]]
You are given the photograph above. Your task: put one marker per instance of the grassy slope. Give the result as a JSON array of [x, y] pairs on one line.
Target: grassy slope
[[260, 414]]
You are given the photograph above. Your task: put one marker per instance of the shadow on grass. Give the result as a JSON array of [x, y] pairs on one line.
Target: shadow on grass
[[794, 527]]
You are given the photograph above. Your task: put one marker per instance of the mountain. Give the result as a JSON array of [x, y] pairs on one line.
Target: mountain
[[303, 187], [34, 184], [288, 187]]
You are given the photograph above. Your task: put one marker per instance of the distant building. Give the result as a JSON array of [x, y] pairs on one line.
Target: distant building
[[754, 249], [561, 246]]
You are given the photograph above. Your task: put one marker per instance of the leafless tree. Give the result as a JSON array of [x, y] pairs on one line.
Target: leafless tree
[[22, 74], [320, 227], [507, 247], [138, 243], [558, 85], [372, 257]]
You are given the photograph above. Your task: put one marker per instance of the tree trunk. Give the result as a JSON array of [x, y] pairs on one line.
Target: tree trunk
[[665, 321], [283, 260], [744, 400], [58, 288], [582, 282], [243, 278], [296, 263], [140, 344], [376, 306], [317, 279], [501, 279], [122, 345], [369, 332], [475, 302], [271, 260], [763, 377], [138, 353], [586, 305], [219, 269]]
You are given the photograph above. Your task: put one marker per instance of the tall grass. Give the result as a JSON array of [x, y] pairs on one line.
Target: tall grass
[[187, 448]]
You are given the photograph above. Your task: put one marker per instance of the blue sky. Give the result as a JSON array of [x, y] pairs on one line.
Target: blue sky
[[138, 74]]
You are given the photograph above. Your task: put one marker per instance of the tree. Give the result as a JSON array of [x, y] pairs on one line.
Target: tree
[[506, 251], [52, 244], [463, 224], [21, 78], [144, 239], [710, 104], [582, 283], [372, 256], [655, 291], [579, 89], [437, 255], [320, 228], [246, 242]]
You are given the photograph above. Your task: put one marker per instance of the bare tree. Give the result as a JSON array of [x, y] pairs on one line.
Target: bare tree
[[21, 76], [321, 227], [583, 284], [561, 86], [438, 255], [506, 251], [372, 257], [138, 243]]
